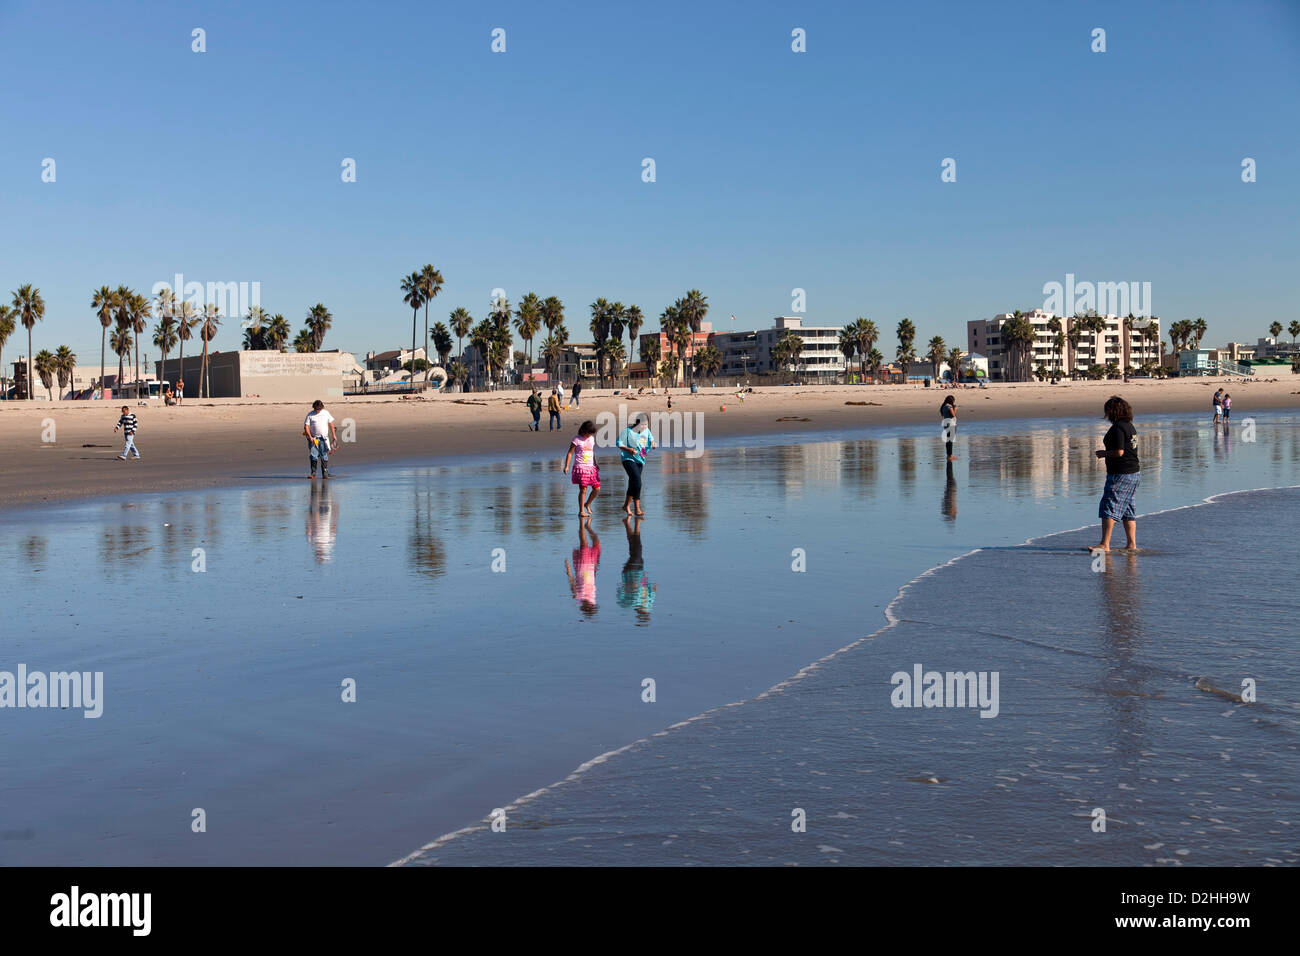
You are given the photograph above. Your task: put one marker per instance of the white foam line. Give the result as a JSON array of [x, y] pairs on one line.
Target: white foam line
[[891, 620]]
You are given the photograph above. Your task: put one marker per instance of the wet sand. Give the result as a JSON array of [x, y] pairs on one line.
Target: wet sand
[[210, 443]]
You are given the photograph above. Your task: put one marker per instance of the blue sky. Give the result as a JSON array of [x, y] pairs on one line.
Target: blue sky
[[775, 170]]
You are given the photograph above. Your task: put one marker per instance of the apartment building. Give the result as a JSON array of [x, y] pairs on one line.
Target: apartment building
[[1095, 348]]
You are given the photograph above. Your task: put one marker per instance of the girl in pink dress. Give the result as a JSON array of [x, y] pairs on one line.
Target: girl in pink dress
[[582, 452]]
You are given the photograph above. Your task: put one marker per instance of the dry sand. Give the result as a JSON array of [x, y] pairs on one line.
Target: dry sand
[[229, 441]]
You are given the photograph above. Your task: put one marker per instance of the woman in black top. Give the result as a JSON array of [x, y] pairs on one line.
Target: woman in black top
[[1123, 472], [948, 417]]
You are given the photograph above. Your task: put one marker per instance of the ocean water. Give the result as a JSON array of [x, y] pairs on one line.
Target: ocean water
[[496, 644]]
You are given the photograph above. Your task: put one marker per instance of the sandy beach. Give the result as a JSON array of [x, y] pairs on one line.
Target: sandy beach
[[227, 441]]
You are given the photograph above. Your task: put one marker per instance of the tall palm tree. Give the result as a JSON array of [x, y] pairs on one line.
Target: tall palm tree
[[211, 321], [875, 362], [65, 363], [165, 337], [528, 320], [6, 330], [255, 329], [441, 342], [707, 361], [1293, 330], [954, 363], [937, 353], [30, 309], [277, 333], [552, 314], [413, 296], [140, 314], [612, 351], [480, 340], [304, 341], [867, 334], [461, 322], [650, 356], [430, 286], [601, 313], [319, 321], [848, 345], [120, 343], [46, 368], [694, 307], [634, 319], [1058, 338], [101, 300], [551, 351], [905, 353], [186, 320], [1274, 330], [1199, 328], [1018, 337]]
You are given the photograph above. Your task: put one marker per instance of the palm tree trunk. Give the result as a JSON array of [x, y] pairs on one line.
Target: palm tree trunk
[[180, 366], [137, 364], [415, 318], [31, 391], [103, 337], [427, 363]]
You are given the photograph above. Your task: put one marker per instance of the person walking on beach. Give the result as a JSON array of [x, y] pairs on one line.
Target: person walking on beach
[[534, 403], [128, 425], [559, 390], [948, 421], [1218, 407], [586, 474], [577, 392], [319, 429], [553, 407], [1123, 472], [1227, 408], [632, 445]]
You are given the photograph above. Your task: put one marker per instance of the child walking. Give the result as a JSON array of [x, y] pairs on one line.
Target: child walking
[[632, 444], [586, 475], [1123, 472], [128, 424]]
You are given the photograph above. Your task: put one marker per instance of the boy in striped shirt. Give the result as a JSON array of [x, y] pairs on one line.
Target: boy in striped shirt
[[128, 425]]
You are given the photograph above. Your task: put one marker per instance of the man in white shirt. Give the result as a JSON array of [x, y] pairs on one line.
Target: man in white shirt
[[321, 436]]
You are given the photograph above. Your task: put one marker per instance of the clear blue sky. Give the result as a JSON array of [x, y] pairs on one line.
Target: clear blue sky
[[775, 170]]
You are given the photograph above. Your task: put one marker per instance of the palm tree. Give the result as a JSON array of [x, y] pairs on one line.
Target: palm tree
[[500, 339], [848, 343], [708, 360], [277, 332], [787, 351], [612, 351], [140, 314], [456, 373], [954, 363], [905, 354], [120, 343], [441, 342], [101, 300], [165, 337], [413, 295], [46, 367], [634, 319], [601, 314], [681, 339], [1018, 335], [304, 341], [461, 322], [552, 314], [668, 367], [430, 286], [650, 356], [875, 361], [1058, 339], [1199, 328], [186, 320], [937, 353], [255, 331], [866, 333], [552, 348], [1274, 330], [480, 340], [166, 305], [6, 330], [1293, 330], [528, 321], [319, 321], [65, 362], [30, 309], [207, 332], [692, 308]]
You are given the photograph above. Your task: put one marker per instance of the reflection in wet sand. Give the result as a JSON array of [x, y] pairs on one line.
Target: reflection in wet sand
[[582, 572], [428, 556], [635, 589], [322, 521], [949, 506]]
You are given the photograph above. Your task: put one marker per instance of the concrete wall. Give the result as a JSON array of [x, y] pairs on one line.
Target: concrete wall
[[275, 376]]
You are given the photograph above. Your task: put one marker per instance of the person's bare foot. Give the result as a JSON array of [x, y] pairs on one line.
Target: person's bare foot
[[1097, 547], [640, 514]]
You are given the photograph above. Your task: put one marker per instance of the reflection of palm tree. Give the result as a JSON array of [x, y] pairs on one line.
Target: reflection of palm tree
[[635, 590], [427, 552]]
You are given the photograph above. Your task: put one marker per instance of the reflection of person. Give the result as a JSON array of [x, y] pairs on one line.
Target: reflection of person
[[582, 574], [948, 418], [635, 590], [1123, 472], [319, 429], [322, 521], [586, 474], [632, 445], [949, 507]]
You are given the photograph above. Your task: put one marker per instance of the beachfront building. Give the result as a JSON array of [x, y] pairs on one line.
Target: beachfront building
[[476, 367], [578, 360], [820, 360], [739, 351], [381, 364], [1118, 342], [279, 376], [697, 341], [1271, 348]]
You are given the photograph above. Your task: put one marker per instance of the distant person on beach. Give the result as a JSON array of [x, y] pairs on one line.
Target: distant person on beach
[[632, 445], [1218, 407], [559, 390], [553, 407], [319, 429], [948, 419], [577, 392], [534, 403], [128, 424], [1227, 407], [586, 474], [1123, 472], [180, 390], [582, 573]]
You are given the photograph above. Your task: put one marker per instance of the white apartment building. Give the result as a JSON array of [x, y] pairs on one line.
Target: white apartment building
[[820, 359], [1095, 348]]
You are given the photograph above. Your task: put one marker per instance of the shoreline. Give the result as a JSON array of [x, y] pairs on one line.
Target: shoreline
[[220, 442]]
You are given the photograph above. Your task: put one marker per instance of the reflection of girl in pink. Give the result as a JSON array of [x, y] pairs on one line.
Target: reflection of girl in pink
[[582, 574]]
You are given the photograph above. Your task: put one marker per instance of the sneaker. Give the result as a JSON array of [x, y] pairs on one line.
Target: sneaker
[[121, 457]]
